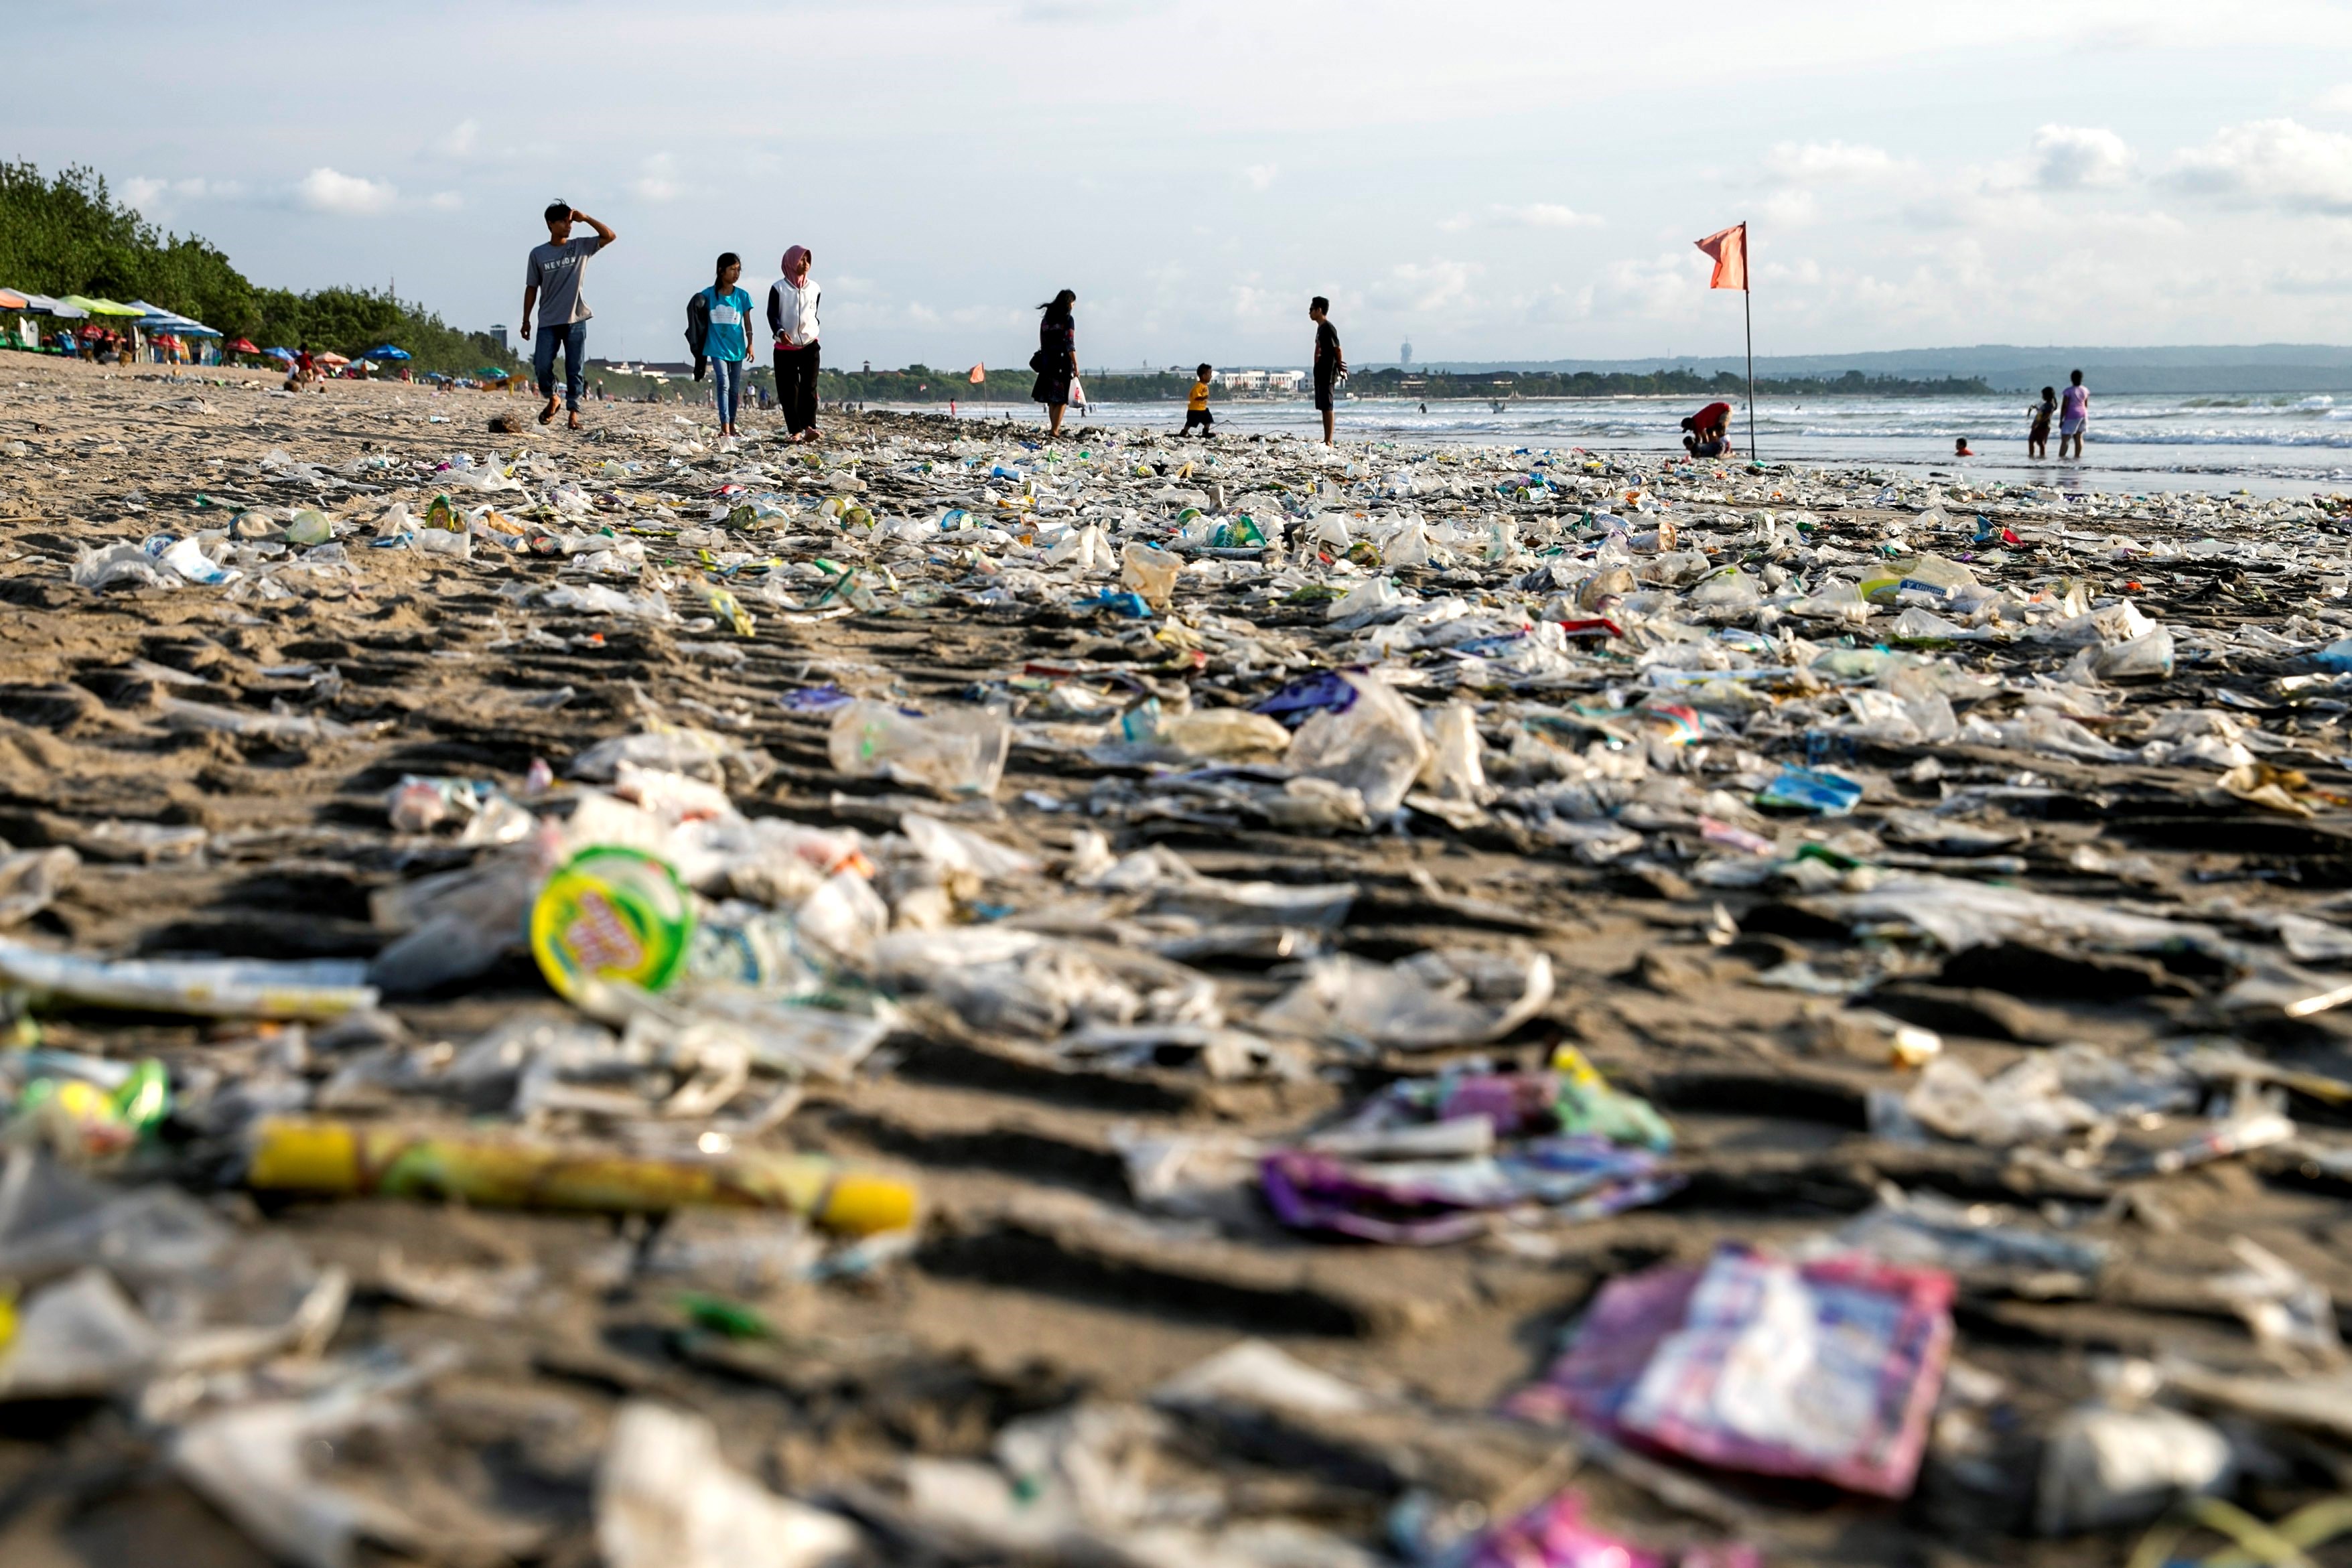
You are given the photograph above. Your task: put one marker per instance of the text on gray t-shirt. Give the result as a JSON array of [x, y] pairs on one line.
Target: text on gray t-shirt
[[554, 271]]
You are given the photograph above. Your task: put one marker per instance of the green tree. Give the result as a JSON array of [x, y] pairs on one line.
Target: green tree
[[65, 233]]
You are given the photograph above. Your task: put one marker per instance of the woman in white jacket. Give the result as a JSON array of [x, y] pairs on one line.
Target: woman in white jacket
[[791, 314]]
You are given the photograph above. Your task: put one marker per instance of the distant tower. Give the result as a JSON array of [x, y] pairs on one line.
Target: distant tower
[[499, 333], [1404, 354]]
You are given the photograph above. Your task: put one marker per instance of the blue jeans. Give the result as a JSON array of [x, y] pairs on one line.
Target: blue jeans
[[575, 339], [726, 385]]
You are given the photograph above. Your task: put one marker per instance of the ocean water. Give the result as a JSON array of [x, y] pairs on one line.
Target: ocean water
[[2289, 443]]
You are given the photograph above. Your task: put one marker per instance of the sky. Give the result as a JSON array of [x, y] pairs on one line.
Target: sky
[[1487, 179]]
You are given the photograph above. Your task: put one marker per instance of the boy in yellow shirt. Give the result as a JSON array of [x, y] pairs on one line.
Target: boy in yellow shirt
[[1196, 407]]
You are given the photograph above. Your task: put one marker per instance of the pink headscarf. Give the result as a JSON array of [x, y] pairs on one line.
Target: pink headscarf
[[796, 265]]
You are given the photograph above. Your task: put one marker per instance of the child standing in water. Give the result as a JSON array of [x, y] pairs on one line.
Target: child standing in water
[[2037, 439]]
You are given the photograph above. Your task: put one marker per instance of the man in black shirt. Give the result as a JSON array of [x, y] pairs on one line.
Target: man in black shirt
[[1329, 364]]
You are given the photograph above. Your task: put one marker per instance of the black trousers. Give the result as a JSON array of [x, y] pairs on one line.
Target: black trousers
[[796, 386]]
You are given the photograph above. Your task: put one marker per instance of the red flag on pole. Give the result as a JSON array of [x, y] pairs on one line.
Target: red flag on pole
[[979, 375], [1729, 249]]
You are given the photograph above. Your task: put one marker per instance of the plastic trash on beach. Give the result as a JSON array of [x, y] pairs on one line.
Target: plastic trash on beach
[[1449, 1182], [30, 880], [1374, 746], [1560, 1533], [1808, 790], [1431, 999], [327, 1156], [667, 1498], [1150, 572], [1975, 1242], [2107, 1465], [224, 988], [611, 913], [955, 752], [1827, 1369], [124, 1286]]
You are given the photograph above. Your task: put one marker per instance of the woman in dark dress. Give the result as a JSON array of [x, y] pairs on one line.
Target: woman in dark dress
[[1056, 363]]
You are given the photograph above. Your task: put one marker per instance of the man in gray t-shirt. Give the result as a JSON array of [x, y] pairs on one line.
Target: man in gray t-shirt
[[551, 282]]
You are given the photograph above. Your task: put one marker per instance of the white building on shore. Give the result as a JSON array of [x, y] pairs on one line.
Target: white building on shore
[[1262, 384]]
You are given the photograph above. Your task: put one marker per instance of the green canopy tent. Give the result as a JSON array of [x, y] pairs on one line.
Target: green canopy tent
[[108, 310]]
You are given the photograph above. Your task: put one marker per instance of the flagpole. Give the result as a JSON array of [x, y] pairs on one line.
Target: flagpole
[[1748, 315]]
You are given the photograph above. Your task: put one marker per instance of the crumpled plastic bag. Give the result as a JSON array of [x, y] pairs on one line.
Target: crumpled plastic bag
[[1375, 746], [667, 1498], [955, 752], [1428, 1002]]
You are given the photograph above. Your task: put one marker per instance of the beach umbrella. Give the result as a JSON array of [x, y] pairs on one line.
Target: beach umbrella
[[331, 359], [90, 307], [155, 318], [12, 300], [385, 351], [491, 374], [58, 307], [285, 354], [241, 346]]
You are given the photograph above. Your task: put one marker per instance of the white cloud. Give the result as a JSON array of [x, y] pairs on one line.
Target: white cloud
[[1821, 162], [2335, 100], [2070, 157], [1259, 176], [1662, 286], [1790, 210], [1423, 286], [153, 197], [445, 201], [1526, 215], [460, 139], [1546, 215], [2274, 163], [659, 180], [329, 191]]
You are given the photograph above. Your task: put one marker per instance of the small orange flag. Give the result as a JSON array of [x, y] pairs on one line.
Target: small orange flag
[[1730, 248], [979, 375]]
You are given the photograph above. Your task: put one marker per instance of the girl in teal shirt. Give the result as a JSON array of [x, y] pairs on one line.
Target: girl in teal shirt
[[728, 344]]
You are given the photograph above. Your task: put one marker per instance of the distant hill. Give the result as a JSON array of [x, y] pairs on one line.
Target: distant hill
[[2218, 367]]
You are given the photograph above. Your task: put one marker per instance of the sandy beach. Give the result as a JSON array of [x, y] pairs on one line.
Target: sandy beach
[[1633, 655]]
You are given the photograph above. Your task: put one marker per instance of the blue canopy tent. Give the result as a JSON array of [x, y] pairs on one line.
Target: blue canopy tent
[[285, 354], [158, 320], [385, 351]]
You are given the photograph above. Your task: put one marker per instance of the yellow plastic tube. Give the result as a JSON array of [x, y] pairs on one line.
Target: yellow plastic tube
[[302, 1155]]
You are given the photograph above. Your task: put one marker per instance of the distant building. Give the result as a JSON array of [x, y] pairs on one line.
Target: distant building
[[1404, 354], [1285, 381], [1243, 381], [499, 333]]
